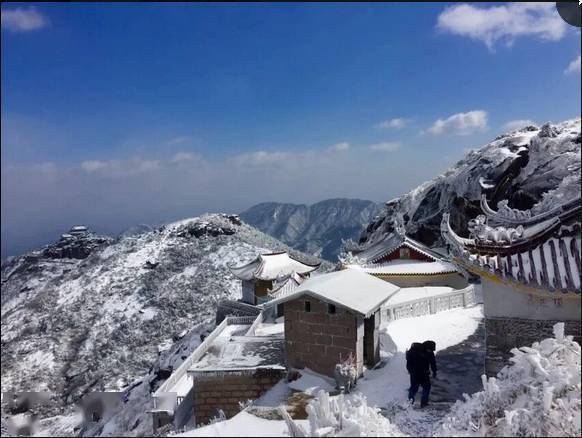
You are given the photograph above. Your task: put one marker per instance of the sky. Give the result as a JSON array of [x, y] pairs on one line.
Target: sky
[[120, 114]]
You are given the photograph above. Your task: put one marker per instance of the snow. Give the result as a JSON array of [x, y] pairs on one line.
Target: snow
[[387, 385], [407, 267], [406, 294], [538, 394], [266, 329], [231, 351], [342, 287], [243, 425], [311, 382], [271, 267], [276, 396]]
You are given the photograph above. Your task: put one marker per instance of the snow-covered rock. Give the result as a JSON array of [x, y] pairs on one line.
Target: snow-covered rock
[[532, 168]]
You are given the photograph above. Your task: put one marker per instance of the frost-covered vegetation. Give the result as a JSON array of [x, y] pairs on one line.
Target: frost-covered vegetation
[[341, 416], [537, 395]]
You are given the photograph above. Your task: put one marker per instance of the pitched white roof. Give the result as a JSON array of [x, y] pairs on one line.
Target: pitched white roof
[[349, 288], [271, 267]]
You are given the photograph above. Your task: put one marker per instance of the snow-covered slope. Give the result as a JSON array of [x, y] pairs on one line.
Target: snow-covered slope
[[533, 168], [70, 326], [316, 229]]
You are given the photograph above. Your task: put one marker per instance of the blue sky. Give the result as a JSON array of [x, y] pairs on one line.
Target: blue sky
[[115, 114]]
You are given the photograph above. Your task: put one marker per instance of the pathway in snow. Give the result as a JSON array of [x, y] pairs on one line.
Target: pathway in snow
[[459, 335]]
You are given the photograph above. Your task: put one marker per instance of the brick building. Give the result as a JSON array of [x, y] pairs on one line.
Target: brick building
[[233, 364], [331, 316]]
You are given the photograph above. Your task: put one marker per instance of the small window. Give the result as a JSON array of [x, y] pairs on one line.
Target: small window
[[308, 306], [331, 309], [404, 253]]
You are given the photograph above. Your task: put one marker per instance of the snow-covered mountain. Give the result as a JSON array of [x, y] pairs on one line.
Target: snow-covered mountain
[[533, 168], [121, 309], [316, 229]]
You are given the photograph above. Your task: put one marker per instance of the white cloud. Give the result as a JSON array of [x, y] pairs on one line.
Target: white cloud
[[397, 123], [120, 168], [518, 124], [573, 67], [384, 147], [461, 123], [338, 147], [260, 158], [183, 157], [179, 140], [505, 23], [23, 20]]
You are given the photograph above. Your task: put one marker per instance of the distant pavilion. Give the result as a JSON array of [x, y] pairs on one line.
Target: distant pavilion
[[268, 275]]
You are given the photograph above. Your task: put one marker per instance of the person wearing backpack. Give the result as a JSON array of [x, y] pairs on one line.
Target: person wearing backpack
[[420, 360]]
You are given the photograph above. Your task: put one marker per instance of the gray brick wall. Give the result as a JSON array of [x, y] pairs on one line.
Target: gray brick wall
[[503, 334], [317, 339], [226, 391]]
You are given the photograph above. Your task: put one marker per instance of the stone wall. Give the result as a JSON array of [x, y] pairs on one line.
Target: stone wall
[[317, 339], [225, 391], [503, 334], [372, 339]]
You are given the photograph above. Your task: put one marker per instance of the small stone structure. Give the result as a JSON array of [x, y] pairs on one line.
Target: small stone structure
[[226, 391], [232, 365], [332, 316]]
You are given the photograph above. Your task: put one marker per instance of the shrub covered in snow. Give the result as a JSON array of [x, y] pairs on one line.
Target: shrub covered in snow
[[341, 416], [346, 374], [537, 395]]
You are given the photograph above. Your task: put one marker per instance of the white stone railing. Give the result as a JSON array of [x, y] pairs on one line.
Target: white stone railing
[[258, 320], [429, 305], [196, 355]]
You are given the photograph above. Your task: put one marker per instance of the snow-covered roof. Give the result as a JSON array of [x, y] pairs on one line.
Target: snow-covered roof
[[391, 243], [349, 288], [272, 266], [286, 284], [407, 267], [545, 255], [232, 351], [78, 228]]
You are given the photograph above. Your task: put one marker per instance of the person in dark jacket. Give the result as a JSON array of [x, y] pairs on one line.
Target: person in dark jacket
[[420, 360]]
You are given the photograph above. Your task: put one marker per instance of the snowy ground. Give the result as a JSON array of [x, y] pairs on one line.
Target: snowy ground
[[458, 335]]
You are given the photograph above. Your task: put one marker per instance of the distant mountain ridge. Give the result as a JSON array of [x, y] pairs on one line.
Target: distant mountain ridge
[[316, 229]]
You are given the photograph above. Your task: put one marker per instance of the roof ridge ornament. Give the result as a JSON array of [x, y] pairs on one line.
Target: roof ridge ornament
[[482, 232]]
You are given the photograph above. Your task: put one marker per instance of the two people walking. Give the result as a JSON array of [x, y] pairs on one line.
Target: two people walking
[[420, 361]]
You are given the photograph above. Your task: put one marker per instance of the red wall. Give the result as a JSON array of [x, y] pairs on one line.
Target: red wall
[[414, 255]]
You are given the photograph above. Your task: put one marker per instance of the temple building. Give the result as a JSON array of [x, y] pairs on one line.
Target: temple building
[[268, 274], [406, 263], [530, 267]]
